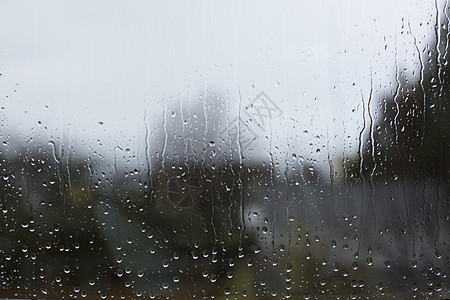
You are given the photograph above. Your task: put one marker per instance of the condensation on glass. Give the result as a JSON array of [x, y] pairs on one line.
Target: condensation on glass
[[197, 150]]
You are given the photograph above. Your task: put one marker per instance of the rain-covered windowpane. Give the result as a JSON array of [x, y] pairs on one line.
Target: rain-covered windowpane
[[204, 149]]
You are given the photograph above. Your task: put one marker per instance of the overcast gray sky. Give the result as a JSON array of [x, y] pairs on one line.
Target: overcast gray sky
[[74, 64]]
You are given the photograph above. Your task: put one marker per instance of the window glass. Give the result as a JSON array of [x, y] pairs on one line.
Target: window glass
[[196, 149]]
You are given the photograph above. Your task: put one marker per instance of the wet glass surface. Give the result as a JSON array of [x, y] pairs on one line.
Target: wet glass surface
[[224, 150]]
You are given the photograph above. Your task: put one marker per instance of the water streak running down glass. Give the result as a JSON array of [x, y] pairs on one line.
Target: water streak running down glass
[[228, 150]]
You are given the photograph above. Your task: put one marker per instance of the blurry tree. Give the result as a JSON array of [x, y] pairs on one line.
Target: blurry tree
[[411, 129]]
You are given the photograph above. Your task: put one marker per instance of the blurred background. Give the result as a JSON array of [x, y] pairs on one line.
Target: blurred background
[[192, 149]]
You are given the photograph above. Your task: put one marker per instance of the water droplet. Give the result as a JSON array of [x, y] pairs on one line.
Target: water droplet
[[333, 244], [230, 274], [165, 263], [66, 269], [119, 272], [288, 267]]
